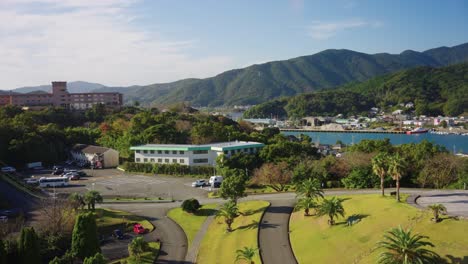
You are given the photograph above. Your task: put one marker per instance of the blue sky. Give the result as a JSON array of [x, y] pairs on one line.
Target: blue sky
[[125, 42]]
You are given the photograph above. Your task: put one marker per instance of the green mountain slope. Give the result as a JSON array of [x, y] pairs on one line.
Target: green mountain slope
[[434, 91]]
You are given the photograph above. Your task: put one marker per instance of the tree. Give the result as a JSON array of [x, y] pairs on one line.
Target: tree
[[396, 169], [437, 209], [247, 254], [276, 176], [76, 200], [85, 242], [28, 246], [57, 216], [332, 207], [380, 168], [401, 246], [96, 259], [3, 257], [309, 188], [233, 186], [91, 198], [190, 205], [137, 247], [306, 203], [67, 258], [229, 211], [440, 171]]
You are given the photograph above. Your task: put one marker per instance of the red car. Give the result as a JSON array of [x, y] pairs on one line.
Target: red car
[[138, 229]]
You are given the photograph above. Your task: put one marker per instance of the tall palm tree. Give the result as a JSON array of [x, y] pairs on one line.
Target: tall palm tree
[[396, 168], [401, 246], [91, 198], [437, 209], [229, 211], [247, 254], [309, 188], [332, 207], [306, 203], [380, 168]]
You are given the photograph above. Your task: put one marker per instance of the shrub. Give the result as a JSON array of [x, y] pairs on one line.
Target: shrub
[[361, 177], [191, 205]]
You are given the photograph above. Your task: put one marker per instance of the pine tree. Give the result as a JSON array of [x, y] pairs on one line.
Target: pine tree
[[85, 242], [28, 246]]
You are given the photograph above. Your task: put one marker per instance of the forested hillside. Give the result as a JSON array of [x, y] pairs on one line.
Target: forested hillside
[[434, 91]]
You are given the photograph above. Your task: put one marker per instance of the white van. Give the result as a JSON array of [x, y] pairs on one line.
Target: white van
[[215, 179]]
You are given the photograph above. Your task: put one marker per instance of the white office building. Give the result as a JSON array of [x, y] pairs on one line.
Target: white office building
[[192, 155]]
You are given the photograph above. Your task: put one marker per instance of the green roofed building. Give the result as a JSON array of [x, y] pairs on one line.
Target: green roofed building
[[192, 155]]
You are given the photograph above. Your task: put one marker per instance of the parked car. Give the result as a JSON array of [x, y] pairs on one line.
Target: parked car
[[215, 179], [199, 183], [118, 234], [32, 181], [217, 185], [8, 169], [73, 175], [138, 229], [57, 170]]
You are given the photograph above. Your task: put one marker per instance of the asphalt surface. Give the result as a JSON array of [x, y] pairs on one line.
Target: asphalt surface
[[273, 233], [173, 240], [16, 198]]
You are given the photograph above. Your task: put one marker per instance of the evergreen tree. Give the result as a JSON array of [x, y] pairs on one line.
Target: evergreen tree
[[85, 242], [96, 259], [28, 246]]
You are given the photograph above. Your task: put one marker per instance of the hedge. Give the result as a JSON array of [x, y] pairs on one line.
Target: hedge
[[168, 169]]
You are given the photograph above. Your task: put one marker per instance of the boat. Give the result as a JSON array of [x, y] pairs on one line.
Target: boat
[[418, 130]]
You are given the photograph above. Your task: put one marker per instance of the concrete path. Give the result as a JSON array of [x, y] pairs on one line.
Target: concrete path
[[195, 246], [274, 233], [456, 201]]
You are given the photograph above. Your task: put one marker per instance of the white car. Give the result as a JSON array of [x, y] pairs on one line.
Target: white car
[[8, 169], [199, 183], [32, 181]]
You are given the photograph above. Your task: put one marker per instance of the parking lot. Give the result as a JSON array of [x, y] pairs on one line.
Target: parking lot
[[113, 182]]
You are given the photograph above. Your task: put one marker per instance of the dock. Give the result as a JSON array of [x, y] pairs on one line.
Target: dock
[[342, 131]]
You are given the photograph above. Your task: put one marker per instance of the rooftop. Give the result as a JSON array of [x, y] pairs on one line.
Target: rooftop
[[221, 146]]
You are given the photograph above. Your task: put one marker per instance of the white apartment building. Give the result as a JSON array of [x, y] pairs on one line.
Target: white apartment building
[[192, 155]]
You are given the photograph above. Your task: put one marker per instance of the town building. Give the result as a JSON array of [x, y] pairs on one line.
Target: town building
[[95, 156], [192, 155], [60, 97]]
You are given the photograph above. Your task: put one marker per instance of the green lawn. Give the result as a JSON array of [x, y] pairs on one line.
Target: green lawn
[[146, 258], [219, 246], [108, 220], [313, 241], [191, 223]]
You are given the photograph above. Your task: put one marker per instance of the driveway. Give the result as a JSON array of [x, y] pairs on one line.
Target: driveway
[[455, 201]]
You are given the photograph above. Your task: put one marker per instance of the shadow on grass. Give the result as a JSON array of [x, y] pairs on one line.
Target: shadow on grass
[[252, 225], [443, 218], [205, 212], [456, 260], [353, 219], [251, 212]]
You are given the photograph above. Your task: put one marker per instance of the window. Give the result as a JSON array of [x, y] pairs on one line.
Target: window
[[225, 152], [145, 160], [181, 152], [151, 151], [137, 159], [159, 151], [137, 151], [159, 160], [166, 152], [151, 160], [181, 161], [145, 152], [174, 152], [200, 160], [166, 160], [200, 152], [174, 160]]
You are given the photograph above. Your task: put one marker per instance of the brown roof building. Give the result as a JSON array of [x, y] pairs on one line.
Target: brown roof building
[[60, 97]]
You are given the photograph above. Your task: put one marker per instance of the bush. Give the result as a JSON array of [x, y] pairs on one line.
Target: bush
[[191, 205], [333, 184], [361, 177]]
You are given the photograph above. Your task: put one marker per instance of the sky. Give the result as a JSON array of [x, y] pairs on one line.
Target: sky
[[139, 42]]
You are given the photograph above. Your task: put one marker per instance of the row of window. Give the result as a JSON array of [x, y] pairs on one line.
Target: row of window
[[160, 160], [234, 151], [160, 152]]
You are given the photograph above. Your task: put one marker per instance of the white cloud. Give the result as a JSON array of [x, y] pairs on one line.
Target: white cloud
[[322, 30], [91, 40]]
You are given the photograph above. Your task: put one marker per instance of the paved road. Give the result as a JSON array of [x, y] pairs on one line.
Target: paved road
[[174, 241], [274, 233], [455, 201]]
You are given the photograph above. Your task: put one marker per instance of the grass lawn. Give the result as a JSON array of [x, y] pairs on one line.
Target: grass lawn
[[191, 223], [146, 258], [313, 241], [108, 220], [219, 246]]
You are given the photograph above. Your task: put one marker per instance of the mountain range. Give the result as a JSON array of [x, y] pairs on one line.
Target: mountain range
[[262, 82]]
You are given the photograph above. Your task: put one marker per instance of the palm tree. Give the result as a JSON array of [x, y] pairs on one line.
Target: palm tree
[[76, 200], [380, 168], [229, 211], [247, 254], [437, 209], [403, 247], [332, 207], [309, 188], [137, 247], [306, 203], [91, 198], [396, 169]]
